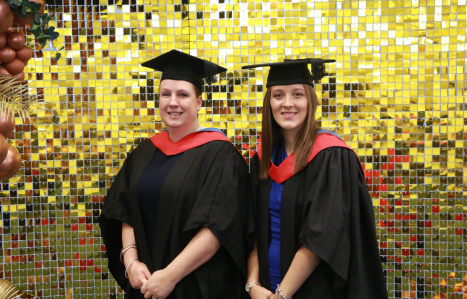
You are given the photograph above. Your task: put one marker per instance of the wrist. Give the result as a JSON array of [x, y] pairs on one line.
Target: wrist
[[130, 256], [128, 267], [249, 286], [172, 274], [282, 292]]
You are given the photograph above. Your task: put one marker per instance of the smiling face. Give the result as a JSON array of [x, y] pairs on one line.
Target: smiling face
[[179, 105], [289, 106]]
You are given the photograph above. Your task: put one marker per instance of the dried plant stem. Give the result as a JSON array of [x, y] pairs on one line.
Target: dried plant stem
[[16, 96], [8, 292]]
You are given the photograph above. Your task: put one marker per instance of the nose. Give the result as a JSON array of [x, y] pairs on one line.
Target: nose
[[173, 101], [288, 102]]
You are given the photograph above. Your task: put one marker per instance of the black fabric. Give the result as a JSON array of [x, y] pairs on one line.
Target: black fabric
[[207, 187], [149, 189], [327, 208], [294, 71], [177, 65]]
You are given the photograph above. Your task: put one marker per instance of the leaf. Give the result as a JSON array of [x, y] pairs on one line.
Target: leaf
[[35, 6], [14, 2], [37, 32], [24, 11], [57, 56], [20, 14], [63, 47], [42, 42], [54, 36], [37, 19], [35, 27], [50, 30]]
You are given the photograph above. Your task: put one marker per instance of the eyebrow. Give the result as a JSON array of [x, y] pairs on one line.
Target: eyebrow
[[295, 89], [169, 90]]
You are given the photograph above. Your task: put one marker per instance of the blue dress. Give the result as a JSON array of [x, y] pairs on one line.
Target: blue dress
[[278, 156]]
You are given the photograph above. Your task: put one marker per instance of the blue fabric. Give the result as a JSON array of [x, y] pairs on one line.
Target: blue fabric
[[326, 131], [149, 189], [211, 130], [278, 156]]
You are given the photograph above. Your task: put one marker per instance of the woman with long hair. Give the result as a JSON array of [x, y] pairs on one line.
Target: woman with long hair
[[315, 226], [175, 220]]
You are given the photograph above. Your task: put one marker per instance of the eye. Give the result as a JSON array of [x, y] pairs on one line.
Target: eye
[[299, 94], [183, 95], [165, 94], [277, 95]]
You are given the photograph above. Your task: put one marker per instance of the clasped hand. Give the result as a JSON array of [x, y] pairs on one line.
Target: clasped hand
[[259, 292], [159, 285]]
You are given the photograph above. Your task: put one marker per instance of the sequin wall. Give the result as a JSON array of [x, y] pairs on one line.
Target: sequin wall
[[396, 95]]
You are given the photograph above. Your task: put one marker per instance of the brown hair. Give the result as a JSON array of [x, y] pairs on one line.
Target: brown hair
[[197, 91], [272, 134]]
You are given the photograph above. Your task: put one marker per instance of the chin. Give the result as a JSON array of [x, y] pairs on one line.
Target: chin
[[172, 124], [289, 126]]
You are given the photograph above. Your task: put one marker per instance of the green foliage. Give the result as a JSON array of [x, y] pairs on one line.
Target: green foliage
[[40, 26]]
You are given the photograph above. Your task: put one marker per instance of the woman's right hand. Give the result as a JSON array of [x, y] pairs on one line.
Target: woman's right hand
[[258, 292], [138, 274]]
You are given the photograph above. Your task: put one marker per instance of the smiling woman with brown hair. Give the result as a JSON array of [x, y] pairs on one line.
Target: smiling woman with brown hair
[[315, 227], [175, 221]]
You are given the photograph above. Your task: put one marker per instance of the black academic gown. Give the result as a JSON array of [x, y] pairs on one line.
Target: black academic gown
[[327, 208], [207, 187]]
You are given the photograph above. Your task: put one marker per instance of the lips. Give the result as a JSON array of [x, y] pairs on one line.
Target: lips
[[289, 114], [175, 113]]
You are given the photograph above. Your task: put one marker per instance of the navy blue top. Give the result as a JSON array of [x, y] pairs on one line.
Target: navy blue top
[[149, 190], [278, 155]]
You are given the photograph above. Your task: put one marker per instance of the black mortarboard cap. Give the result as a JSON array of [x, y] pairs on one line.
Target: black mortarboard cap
[[294, 71], [177, 65]]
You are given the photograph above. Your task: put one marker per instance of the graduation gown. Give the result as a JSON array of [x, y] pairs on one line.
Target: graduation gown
[[207, 187], [327, 208]]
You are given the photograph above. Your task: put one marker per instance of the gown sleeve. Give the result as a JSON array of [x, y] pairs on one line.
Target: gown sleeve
[[254, 182], [223, 206], [340, 225], [115, 211]]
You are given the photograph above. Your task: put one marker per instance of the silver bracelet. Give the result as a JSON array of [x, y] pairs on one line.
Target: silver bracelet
[[278, 290], [128, 267], [122, 253]]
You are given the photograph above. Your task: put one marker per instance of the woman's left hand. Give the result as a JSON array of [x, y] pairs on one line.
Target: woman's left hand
[[276, 296], [159, 285]]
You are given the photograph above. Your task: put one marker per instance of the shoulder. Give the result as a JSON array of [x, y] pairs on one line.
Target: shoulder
[[255, 160], [144, 145], [336, 153], [325, 140], [222, 149]]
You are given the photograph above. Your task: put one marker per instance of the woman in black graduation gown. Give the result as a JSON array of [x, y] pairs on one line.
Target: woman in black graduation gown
[[316, 234], [177, 211]]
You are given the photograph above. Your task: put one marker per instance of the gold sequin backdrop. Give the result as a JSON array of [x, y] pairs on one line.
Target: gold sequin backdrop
[[396, 95]]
